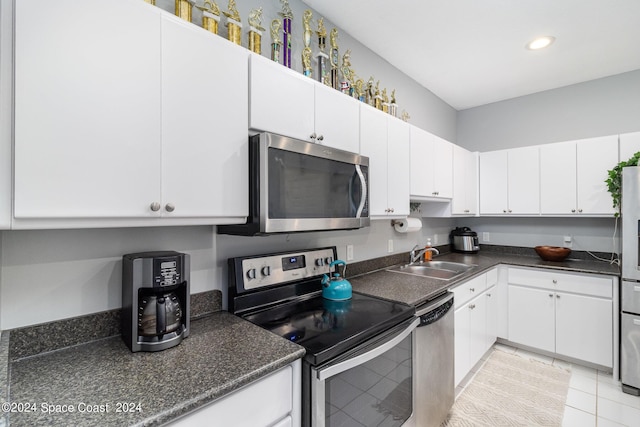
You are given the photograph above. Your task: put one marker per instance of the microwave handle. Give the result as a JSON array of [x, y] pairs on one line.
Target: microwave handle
[[324, 373], [363, 193]]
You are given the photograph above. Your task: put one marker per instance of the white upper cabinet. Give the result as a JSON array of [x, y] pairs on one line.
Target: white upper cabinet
[[509, 182], [116, 131], [629, 145], [431, 166], [465, 182], [288, 103], [87, 109], [204, 142], [573, 174], [385, 140]]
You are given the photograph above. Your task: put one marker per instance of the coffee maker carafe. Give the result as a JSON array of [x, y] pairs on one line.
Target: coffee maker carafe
[[155, 300]]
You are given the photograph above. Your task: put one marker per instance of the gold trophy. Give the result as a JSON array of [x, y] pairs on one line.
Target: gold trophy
[[405, 116], [287, 16], [210, 16], [358, 90], [183, 9], [322, 57], [385, 101], [369, 93], [377, 98], [255, 30], [333, 57], [275, 40], [306, 38], [347, 73], [234, 26], [393, 107]]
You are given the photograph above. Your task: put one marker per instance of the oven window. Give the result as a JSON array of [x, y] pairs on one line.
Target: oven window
[[303, 186], [376, 393]]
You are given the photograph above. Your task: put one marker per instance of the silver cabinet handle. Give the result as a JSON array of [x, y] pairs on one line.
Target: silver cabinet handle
[[580, 210], [573, 210], [504, 211], [320, 137], [313, 136], [550, 295], [510, 211], [472, 289], [557, 296], [555, 282], [472, 306], [170, 207], [155, 206], [489, 295]]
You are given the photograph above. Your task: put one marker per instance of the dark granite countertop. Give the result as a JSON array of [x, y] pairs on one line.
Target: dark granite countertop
[[222, 354], [415, 290]]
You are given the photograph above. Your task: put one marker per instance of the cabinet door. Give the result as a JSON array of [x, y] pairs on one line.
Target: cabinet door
[[461, 343], [443, 167], [204, 142], [465, 180], [373, 144], [558, 178], [493, 182], [87, 109], [281, 100], [584, 328], [492, 312], [477, 329], [523, 180], [595, 156], [629, 145], [531, 317], [398, 165], [337, 119], [422, 175]]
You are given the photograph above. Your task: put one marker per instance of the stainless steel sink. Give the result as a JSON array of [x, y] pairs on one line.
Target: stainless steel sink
[[443, 270]]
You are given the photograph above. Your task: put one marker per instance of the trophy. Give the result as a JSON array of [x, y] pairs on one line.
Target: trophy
[[385, 101], [306, 37], [210, 16], [287, 16], [393, 107], [153, 2], [359, 91], [377, 98], [405, 116], [321, 57], [183, 9], [234, 26], [347, 73], [369, 93], [275, 40], [255, 30], [333, 37]]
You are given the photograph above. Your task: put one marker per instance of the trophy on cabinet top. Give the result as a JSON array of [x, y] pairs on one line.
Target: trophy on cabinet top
[[385, 100], [255, 30], [153, 2], [210, 16], [369, 92], [183, 9], [275, 40], [359, 90], [405, 116], [347, 73], [393, 106], [377, 98], [306, 38], [234, 26], [287, 16], [322, 57], [333, 57]]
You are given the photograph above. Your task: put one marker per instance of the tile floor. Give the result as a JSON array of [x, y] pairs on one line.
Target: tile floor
[[594, 397]]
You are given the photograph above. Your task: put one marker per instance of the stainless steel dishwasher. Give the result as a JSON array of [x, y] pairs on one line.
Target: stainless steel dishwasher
[[434, 362]]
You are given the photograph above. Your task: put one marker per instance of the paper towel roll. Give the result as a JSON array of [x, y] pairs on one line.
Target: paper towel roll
[[408, 225]]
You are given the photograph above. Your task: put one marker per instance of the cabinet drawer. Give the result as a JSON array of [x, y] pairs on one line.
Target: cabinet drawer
[[492, 277], [631, 297], [469, 289], [566, 282]]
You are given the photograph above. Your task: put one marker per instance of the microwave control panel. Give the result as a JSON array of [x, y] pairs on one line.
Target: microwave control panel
[[272, 270]]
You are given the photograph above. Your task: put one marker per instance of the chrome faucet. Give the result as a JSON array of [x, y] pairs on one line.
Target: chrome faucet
[[416, 256]]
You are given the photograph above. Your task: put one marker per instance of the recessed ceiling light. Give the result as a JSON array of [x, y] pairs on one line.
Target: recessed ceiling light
[[540, 42]]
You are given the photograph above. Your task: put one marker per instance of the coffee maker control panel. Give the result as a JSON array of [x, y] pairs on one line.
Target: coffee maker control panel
[[166, 271]]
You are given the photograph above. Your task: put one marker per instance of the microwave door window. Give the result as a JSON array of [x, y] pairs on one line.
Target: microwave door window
[[303, 186]]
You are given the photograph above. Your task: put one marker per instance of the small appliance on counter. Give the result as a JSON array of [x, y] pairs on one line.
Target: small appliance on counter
[[336, 288], [464, 240], [155, 300]]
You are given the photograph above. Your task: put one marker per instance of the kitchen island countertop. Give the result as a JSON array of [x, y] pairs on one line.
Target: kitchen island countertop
[[416, 290], [222, 354]]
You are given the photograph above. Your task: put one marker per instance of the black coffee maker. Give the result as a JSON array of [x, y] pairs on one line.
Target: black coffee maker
[[155, 300]]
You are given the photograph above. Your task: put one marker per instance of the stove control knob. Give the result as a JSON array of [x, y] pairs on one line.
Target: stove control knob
[[266, 270], [328, 260], [319, 262], [251, 273]]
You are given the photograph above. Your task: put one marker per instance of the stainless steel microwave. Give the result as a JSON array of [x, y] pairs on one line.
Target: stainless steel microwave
[[298, 186]]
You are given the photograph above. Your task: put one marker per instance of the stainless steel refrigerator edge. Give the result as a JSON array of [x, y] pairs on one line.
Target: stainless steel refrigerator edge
[[630, 294]]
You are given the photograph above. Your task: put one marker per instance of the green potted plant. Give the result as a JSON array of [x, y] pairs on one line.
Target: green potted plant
[[614, 180]]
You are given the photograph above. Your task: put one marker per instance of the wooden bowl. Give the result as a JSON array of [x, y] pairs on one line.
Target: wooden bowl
[[552, 253]]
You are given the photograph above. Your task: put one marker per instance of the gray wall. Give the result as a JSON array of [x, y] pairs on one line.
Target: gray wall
[[606, 106]]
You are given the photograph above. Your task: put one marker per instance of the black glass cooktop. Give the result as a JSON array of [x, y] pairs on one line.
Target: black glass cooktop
[[329, 328]]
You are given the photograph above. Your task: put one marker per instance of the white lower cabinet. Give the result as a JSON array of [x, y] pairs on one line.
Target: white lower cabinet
[[564, 313], [475, 321], [273, 401]]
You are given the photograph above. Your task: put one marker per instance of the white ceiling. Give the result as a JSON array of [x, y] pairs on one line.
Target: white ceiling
[[472, 52]]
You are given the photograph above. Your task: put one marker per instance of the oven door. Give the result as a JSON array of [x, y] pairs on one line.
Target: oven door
[[370, 385]]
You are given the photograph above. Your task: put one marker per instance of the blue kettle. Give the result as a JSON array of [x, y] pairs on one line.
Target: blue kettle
[[336, 288]]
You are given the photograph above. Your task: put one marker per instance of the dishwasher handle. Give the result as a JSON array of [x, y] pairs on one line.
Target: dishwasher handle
[[436, 311]]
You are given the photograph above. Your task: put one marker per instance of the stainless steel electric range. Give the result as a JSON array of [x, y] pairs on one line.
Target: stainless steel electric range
[[358, 367]]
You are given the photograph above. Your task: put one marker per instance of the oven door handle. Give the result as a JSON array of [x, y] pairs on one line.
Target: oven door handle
[[329, 371]]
